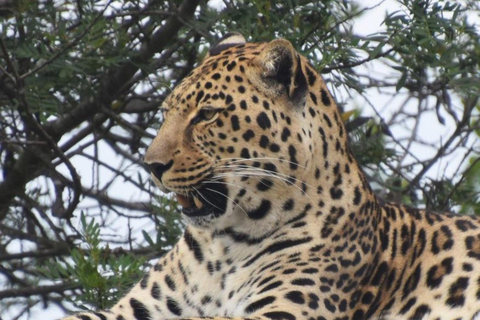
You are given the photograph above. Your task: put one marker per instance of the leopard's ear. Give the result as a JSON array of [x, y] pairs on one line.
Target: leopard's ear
[[229, 40], [280, 62]]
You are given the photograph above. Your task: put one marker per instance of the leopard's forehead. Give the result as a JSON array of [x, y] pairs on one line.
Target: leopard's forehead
[[229, 65]]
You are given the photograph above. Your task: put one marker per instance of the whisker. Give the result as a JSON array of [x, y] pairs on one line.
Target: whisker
[[206, 200], [236, 159], [259, 172], [233, 201], [254, 172], [273, 173]]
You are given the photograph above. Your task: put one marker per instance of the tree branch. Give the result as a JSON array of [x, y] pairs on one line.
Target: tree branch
[[113, 85], [469, 106], [40, 290]]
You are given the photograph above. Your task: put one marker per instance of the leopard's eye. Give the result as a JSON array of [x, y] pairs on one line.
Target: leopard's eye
[[205, 114]]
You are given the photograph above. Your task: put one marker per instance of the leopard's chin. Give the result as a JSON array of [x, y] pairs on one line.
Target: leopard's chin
[[208, 221]]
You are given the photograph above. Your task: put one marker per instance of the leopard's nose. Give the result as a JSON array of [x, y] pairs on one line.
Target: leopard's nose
[[158, 169]]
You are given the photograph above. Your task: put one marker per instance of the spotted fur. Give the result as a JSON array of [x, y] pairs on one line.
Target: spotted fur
[[288, 227]]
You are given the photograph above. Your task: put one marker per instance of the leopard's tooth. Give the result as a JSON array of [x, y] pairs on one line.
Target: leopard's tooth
[[184, 201], [198, 203]]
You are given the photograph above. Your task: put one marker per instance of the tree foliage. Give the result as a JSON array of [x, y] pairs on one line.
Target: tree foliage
[[81, 81]]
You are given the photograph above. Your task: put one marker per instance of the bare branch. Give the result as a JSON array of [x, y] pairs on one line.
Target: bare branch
[[469, 107], [38, 290]]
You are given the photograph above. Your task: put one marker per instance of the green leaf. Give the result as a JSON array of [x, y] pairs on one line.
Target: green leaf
[[401, 81], [377, 50], [148, 239]]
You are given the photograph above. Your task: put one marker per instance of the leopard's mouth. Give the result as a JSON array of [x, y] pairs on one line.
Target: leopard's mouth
[[211, 198]]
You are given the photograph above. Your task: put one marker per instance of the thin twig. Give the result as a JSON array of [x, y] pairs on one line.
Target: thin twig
[[357, 63], [8, 141], [69, 46], [38, 290], [441, 151]]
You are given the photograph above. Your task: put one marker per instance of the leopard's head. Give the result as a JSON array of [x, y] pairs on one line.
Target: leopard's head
[[246, 137]]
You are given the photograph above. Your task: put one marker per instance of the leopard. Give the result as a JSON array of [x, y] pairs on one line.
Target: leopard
[[281, 222]]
